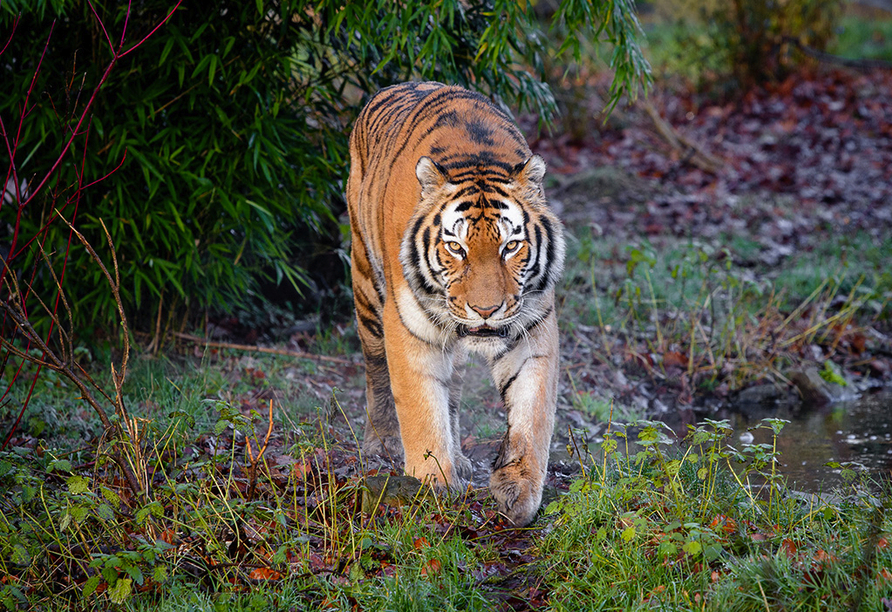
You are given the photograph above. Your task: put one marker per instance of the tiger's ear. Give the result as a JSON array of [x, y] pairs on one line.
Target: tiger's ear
[[430, 174], [531, 171]]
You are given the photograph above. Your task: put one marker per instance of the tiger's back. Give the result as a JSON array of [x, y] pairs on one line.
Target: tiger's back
[[454, 249]]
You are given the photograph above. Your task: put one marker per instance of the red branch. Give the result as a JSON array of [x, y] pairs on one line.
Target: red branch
[[23, 199]]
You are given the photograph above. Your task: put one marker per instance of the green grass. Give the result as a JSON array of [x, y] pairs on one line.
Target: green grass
[[717, 311], [650, 523], [680, 528], [862, 38]]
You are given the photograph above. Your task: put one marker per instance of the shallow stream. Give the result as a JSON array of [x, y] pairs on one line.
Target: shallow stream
[[857, 431]]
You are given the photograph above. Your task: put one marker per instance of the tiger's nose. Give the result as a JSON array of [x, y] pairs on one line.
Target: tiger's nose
[[485, 311]]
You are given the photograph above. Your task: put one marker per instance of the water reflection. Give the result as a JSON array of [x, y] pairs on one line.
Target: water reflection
[[854, 431]]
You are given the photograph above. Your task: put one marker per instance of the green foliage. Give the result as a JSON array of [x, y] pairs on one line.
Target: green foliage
[[753, 34], [752, 41], [702, 525], [223, 137]]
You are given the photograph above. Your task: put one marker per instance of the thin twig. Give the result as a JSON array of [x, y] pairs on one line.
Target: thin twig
[[54, 362], [252, 472], [694, 153], [260, 349]]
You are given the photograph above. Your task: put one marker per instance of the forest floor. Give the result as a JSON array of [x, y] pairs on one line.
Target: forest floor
[[722, 255]]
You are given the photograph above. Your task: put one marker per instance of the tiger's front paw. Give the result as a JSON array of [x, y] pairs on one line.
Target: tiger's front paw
[[441, 474], [518, 492]]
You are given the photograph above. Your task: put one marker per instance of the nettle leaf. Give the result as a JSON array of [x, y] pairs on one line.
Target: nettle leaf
[[628, 534], [220, 426], [121, 590], [105, 512], [159, 574], [77, 485], [672, 467], [59, 465], [112, 497], [153, 509], [135, 573], [79, 513], [90, 586], [20, 555]]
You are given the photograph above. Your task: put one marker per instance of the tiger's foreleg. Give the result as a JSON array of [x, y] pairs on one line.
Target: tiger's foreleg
[[420, 377], [527, 378]]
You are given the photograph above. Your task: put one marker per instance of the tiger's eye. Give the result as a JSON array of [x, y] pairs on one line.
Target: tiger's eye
[[455, 248], [512, 245]]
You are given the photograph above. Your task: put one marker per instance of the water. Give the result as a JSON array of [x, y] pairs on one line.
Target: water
[[858, 431]]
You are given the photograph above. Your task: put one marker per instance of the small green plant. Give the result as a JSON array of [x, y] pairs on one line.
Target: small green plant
[[690, 311], [701, 525]]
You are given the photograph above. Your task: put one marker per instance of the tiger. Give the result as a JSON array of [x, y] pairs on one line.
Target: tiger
[[454, 249]]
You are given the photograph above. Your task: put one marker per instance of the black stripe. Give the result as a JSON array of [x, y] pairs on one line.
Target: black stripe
[[420, 260], [537, 266], [372, 325], [504, 388], [549, 230]]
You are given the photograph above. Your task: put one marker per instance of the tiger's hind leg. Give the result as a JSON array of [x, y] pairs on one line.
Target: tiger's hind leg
[[462, 464], [382, 428]]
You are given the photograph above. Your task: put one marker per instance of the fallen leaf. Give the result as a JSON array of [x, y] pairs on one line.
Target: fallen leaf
[[421, 543], [674, 359], [431, 568], [264, 573], [789, 548]]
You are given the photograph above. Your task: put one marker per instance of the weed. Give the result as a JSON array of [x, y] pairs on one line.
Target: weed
[[689, 527], [690, 311]]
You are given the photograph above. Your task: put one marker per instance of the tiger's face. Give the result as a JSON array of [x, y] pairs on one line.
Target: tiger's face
[[482, 251]]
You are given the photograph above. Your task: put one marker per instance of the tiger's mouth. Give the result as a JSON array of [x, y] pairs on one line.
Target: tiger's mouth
[[482, 331]]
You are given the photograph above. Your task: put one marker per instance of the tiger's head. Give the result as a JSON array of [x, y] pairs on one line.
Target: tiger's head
[[483, 250]]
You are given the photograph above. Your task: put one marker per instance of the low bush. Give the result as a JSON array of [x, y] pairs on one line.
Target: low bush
[[215, 152]]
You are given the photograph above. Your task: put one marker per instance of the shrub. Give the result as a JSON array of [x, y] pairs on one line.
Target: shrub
[[222, 141], [749, 40], [754, 34]]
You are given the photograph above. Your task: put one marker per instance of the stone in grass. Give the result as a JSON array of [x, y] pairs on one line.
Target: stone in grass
[[759, 396], [814, 388]]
